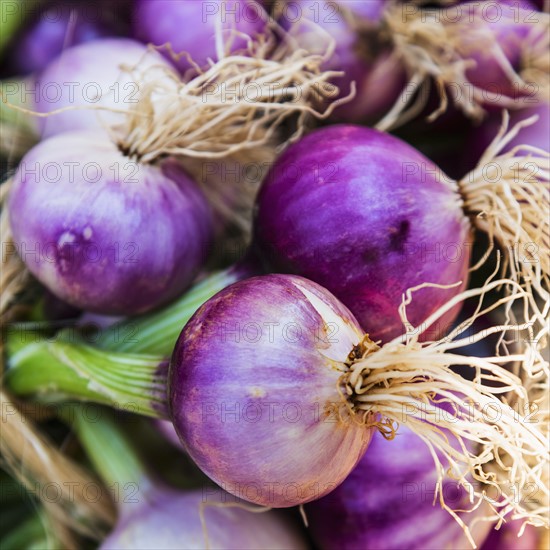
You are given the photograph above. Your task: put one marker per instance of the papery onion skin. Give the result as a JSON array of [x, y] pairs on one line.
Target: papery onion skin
[[130, 240], [251, 413], [388, 502], [190, 26], [170, 519], [89, 76], [378, 75], [367, 216]]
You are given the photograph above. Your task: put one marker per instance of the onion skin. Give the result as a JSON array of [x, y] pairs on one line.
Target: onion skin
[[387, 502], [170, 519], [94, 68], [264, 452], [341, 208], [120, 245], [190, 26]]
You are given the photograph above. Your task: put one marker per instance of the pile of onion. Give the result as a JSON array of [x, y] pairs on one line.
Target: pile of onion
[[278, 366]]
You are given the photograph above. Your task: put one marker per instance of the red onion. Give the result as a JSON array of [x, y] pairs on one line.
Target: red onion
[[480, 55], [152, 515], [383, 222], [54, 29], [511, 26], [389, 501], [97, 82], [367, 216], [275, 394], [299, 313], [172, 519], [189, 27], [535, 135], [103, 232], [359, 52]]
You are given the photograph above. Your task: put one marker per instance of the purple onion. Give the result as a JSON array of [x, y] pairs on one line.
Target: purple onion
[[90, 76], [366, 216], [103, 232], [171, 519], [510, 25], [151, 515], [388, 502], [482, 55], [363, 57], [275, 403], [56, 28], [190, 26]]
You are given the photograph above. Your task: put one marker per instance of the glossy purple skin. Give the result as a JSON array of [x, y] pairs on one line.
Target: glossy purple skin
[[280, 449], [113, 243], [190, 26], [343, 208], [378, 76], [94, 69], [54, 30], [387, 502], [169, 519]]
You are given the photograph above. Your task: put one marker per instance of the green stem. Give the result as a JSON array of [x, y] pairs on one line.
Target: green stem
[[125, 369], [30, 534], [156, 333], [19, 129], [12, 17], [111, 453], [60, 371]]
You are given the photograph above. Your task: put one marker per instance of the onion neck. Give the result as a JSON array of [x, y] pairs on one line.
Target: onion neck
[[127, 368], [350, 389], [58, 371]]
